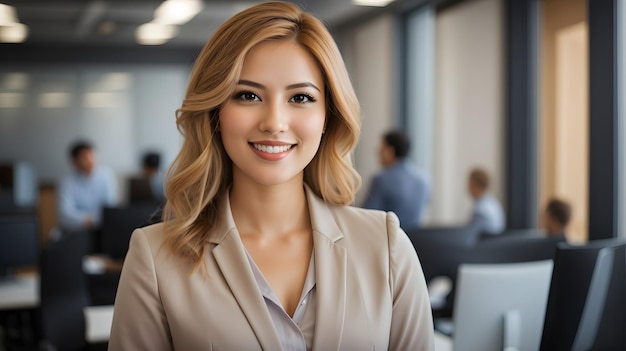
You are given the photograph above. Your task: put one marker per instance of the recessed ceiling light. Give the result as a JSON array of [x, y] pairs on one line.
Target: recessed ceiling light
[[155, 33], [8, 15], [14, 33], [177, 11]]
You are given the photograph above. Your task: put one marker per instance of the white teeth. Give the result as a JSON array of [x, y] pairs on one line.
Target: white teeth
[[272, 149]]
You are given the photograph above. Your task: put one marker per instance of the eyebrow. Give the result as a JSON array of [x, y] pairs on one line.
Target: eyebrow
[[289, 87]]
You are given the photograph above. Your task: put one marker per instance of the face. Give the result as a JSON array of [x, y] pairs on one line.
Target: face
[[551, 225], [85, 161], [272, 125], [473, 188], [386, 154]]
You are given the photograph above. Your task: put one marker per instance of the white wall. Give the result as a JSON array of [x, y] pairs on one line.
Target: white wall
[[368, 52], [123, 110], [469, 125]]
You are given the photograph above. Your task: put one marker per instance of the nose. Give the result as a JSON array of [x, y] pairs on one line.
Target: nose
[[275, 119]]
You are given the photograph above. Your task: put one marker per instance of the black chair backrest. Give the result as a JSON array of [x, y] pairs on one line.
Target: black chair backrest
[[63, 291], [438, 248], [118, 224], [512, 249], [586, 307]]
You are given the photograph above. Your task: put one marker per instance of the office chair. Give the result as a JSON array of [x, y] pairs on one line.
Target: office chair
[[64, 292], [587, 302]]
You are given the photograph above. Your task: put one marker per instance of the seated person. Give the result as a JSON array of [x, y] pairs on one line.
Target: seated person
[[147, 188], [487, 215], [151, 171], [85, 191], [556, 218]]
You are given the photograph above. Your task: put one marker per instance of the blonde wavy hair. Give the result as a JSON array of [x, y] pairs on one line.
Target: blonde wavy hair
[[202, 172]]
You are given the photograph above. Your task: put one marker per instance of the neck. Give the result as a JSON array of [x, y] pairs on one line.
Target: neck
[[269, 210]]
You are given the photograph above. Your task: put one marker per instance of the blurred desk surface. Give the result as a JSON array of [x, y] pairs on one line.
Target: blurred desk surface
[[443, 342], [20, 291], [98, 320]]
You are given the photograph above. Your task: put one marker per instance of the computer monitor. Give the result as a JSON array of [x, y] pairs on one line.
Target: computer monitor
[[500, 306], [18, 243], [18, 188], [586, 308]]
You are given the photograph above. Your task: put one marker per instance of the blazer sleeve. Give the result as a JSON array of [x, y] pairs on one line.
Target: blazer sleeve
[[139, 321], [412, 321]]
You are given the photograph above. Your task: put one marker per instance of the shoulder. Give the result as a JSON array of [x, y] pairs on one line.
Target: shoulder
[[383, 177], [366, 224], [152, 237], [491, 201]]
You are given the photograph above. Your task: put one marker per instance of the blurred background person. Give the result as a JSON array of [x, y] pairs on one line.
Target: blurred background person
[[400, 187], [487, 214], [86, 190], [151, 168], [556, 218]]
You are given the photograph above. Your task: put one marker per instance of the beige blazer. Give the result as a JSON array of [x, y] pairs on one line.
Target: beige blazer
[[371, 293]]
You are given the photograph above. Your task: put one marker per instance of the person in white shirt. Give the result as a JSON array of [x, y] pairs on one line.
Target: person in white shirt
[[487, 214]]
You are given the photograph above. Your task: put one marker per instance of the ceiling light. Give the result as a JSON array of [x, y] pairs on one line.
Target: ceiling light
[[15, 82], [177, 11], [377, 3], [15, 33], [155, 33], [12, 100], [54, 100], [8, 15]]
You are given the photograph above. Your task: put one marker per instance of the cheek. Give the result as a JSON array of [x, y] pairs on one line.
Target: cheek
[[311, 125], [230, 121]]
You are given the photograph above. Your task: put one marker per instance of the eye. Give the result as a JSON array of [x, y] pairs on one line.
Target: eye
[[302, 98], [246, 96]]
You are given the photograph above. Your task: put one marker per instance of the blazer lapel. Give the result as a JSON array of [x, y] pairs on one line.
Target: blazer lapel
[[232, 260], [330, 275]]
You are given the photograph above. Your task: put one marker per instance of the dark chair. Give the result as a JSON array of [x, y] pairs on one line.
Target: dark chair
[[511, 249], [118, 224], [515, 233], [586, 307], [63, 292], [439, 247]]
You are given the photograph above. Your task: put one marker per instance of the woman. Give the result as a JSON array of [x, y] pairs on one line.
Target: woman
[[258, 250]]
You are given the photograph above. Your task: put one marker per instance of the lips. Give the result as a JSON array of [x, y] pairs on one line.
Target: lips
[[272, 149]]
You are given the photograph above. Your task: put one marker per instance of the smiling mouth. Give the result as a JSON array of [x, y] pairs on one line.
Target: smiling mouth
[[272, 149]]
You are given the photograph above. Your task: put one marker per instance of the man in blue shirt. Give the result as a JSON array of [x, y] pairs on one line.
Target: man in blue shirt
[[83, 193], [487, 215], [400, 187]]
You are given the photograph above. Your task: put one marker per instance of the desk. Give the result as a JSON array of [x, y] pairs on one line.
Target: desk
[[98, 320], [19, 292], [443, 342], [22, 292]]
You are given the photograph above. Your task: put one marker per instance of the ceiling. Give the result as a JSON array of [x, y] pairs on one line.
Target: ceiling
[[110, 23]]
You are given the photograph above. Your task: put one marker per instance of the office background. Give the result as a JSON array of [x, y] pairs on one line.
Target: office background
[[530, 90]]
